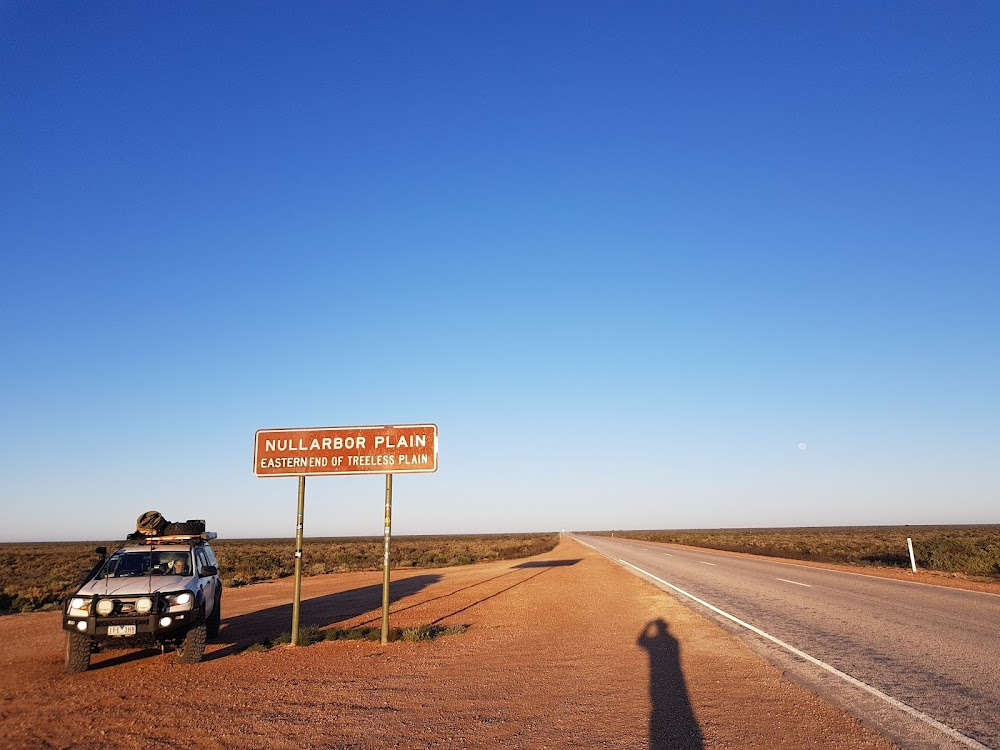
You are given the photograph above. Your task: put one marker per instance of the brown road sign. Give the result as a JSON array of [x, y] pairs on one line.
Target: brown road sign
[[312, 451]]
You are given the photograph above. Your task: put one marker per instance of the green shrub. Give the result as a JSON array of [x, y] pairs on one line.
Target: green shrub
[[308, 635], [363, 633], [430, 632]]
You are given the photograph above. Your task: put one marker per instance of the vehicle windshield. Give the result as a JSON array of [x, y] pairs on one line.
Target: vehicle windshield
[[155, 562]]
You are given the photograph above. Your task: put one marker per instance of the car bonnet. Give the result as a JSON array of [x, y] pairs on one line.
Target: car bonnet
[[133, 586]]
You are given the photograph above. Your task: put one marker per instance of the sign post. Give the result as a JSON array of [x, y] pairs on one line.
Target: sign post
[[297, 597], [385, 559], [323, 451]]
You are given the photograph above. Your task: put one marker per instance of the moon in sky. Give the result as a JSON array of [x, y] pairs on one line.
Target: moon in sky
[[802, 446]]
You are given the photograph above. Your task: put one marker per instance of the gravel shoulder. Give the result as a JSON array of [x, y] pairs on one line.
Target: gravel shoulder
[[563, 650]]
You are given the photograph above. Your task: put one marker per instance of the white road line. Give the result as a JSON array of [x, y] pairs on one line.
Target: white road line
[[953, 733], [668, 554], [705, 563], [785, 580], [800, 566]]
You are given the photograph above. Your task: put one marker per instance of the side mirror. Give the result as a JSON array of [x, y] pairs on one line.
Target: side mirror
[[208, 570], [102, 551]]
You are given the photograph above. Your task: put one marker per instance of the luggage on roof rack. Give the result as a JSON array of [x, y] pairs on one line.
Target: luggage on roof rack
[[152, 523], [187, 527]]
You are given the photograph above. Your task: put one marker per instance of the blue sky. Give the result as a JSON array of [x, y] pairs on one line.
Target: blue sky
[[647, 265]]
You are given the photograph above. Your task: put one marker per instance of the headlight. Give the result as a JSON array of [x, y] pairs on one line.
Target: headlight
[[104, 607], [79, 607], [77, 603], [144, 605], [180, 601]]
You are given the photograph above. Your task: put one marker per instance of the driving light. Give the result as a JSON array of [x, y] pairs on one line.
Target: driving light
[[164, 622], [144, 605], [82, 625], [104, 607]]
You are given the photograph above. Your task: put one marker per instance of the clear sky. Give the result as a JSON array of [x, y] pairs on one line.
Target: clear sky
[[646, 264]]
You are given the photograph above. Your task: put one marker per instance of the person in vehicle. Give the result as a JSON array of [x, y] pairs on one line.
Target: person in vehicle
[[179, 567]]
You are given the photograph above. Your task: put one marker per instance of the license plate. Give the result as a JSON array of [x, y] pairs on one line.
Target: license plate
[[121, 629]]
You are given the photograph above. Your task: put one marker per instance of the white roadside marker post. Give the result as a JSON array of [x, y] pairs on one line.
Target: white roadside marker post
[[913, 561]]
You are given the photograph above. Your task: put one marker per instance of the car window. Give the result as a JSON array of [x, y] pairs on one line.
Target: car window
[[124, 564], [210, 556], [172, 562]]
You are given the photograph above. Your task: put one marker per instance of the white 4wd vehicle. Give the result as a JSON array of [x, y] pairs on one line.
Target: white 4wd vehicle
[[153, 591]]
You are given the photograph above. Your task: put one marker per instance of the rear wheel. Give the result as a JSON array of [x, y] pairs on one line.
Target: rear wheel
[[215, 619], [192, 648], [78, 648]]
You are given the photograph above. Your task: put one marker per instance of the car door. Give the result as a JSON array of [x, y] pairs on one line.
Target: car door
[[208, 584]]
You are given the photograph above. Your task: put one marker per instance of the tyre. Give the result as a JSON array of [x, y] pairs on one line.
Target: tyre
[[183, 528], [215, 619], [78, 648], [192, 648]]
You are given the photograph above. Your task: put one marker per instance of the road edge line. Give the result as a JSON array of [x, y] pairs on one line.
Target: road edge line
[[801, 564], [894, 702]]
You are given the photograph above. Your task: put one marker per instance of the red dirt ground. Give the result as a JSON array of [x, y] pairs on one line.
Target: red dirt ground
[[563, 650]]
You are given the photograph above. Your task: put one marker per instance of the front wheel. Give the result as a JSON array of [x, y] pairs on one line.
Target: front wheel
[[192, 648], [78, 648]]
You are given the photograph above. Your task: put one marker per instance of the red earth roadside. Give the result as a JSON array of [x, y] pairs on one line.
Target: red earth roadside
[[563, 650]]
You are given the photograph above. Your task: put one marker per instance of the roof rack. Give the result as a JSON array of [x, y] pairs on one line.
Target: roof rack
[[204, 536]]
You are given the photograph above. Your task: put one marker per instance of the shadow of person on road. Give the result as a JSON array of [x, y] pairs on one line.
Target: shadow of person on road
[[672, 725]]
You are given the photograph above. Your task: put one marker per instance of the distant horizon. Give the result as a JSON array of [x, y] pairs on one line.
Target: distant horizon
[[379, 538]]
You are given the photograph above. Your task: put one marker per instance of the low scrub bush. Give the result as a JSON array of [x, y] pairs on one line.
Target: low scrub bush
[[363, 633], [36, 576], [310, 634], [248, 561], [40, 576], [430, 632]]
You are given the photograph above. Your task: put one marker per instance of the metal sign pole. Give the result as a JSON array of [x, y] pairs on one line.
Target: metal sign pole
[[298, 562], [385, 559]]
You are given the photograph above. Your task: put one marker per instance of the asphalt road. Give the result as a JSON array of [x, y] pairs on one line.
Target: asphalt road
[[934, 650]]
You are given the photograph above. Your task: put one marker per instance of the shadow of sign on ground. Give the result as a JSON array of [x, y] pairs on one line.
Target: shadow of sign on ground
[[672, 724], [242, 630]]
